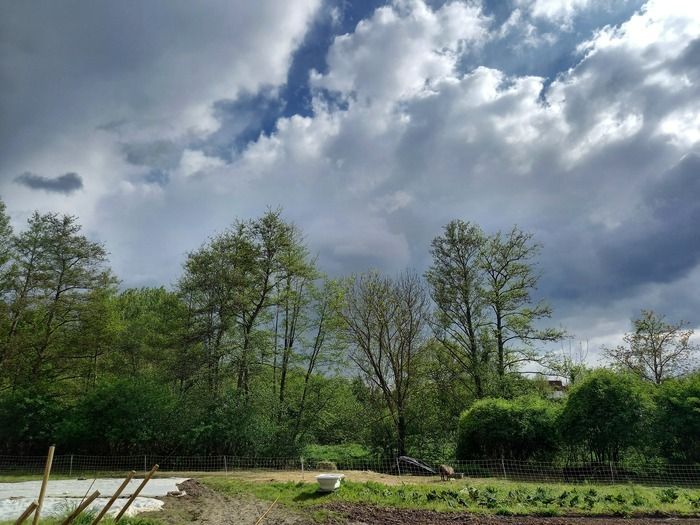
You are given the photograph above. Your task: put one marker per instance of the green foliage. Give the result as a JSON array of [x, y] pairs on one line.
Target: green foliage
[[605, 414], [28, 418], [346, 452], [255, 353], [523, 428], [121, 417], [482, 497], [677, 419]]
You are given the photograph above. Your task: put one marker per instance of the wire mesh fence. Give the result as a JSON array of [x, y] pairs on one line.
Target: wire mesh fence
[[505, 469]]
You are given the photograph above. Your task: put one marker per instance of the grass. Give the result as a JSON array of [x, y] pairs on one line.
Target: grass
[[481, 496], [86, 519]]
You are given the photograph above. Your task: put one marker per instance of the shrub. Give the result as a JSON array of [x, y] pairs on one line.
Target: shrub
[[677, 428], [605, 414], [523, 428]]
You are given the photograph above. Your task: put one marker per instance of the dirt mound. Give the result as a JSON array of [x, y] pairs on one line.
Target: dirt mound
[[369, 515], [194, 488]]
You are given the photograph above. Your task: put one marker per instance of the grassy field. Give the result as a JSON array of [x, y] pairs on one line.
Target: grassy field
[[481, 496]]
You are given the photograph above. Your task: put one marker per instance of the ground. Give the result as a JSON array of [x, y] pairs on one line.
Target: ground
[[204, 505], [371, 498], [231, 503]]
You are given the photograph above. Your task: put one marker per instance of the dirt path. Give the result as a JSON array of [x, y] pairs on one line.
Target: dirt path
[[368, 515], [202, 505]]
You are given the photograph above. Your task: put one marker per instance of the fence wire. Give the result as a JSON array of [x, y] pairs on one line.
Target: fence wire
[[506, 469]]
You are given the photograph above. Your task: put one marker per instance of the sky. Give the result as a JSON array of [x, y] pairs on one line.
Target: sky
[[371, 124]]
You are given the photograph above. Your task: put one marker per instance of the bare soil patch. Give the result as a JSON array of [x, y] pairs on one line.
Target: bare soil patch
[[202, 505], [370, 515]]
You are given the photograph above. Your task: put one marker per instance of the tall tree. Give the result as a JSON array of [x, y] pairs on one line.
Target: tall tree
[[385, 324], [57, 270], [231, 285], [456, 287], [656, 349], [507, 261], [6, 248], [482, 288]]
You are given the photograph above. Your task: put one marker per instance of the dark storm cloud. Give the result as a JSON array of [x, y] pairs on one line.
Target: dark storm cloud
[[66, 183], [161, 154], [661, 244]]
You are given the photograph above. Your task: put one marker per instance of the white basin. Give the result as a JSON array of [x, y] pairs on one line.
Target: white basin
[[329, 482]]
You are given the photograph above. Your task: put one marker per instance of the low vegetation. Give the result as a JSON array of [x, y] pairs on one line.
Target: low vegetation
[[86, 518], [483, 496]]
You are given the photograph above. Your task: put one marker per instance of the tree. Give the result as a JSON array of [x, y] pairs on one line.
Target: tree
[[507, 263], [677, 421], [606, 413], [456, 287], [385, 324], [569, 364], [482, 288], [57, 271], [656, 350], [229, 286], [6, 248]]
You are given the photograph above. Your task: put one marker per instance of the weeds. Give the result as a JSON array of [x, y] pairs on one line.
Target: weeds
[[489, 497]]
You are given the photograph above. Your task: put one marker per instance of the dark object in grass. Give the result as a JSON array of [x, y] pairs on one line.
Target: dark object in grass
[[414, 467]]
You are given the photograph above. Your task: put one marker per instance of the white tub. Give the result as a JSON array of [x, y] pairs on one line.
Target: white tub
[[329, 482]]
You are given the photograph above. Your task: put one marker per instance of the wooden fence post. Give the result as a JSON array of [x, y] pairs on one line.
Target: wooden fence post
[[27, 512], [114, 497], [44, 483], [136, 493], [81, 508]]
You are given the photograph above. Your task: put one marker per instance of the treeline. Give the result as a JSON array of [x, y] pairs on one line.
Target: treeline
[[606, 417], [255, 352]]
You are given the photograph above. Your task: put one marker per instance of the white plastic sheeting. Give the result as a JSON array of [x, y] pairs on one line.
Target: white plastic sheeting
[[62, 495]]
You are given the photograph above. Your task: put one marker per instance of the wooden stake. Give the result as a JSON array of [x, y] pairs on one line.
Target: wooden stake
[[44, 483], [28, 512], [265, 513], [114, 498], [136, 493], [80, 508]]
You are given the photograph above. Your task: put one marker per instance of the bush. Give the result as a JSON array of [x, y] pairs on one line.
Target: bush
[[28, 418], [677, 421], [523, 428], [605, 414]]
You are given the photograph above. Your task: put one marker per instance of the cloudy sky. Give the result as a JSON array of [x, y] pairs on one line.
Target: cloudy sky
[[372, 124]]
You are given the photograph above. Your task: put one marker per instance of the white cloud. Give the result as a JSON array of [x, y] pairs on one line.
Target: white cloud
[[556, 10], [401, 50], [418, 141], [103, 76]]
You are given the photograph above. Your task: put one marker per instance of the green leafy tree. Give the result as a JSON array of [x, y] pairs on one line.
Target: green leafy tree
[[605, 414], [507, 261], [656, 350], [456, 287], [57, 271], [677, 421], [485, 313]]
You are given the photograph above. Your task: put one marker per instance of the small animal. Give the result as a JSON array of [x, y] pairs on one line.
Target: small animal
[[446, 472]]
